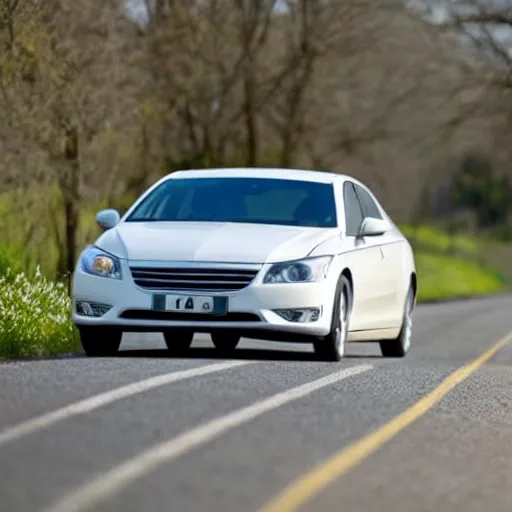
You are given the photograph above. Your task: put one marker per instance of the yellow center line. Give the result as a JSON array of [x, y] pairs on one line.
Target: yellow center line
[[305, 488]]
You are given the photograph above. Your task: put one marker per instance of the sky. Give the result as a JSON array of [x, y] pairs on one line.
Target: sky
[[136, 9]]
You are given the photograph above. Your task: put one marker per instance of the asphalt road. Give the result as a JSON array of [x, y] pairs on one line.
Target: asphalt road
[[144, 432]]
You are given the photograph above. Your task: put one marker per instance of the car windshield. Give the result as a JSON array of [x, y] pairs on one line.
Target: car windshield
[[250, 200]]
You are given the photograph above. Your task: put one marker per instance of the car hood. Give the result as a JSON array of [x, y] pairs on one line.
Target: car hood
[[211, 241]]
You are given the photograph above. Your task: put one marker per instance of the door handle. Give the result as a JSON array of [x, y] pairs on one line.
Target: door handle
[[381, 253]]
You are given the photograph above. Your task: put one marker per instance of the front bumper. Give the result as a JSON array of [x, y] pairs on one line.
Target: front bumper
[[251, 311]]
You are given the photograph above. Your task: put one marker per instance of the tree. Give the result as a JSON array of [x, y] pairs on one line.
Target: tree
[[58, 85], [479, 188]]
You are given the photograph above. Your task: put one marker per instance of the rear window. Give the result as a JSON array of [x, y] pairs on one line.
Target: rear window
[[250, 200]]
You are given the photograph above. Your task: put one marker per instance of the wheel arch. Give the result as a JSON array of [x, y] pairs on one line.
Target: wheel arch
[[414, 285], [348, 275]]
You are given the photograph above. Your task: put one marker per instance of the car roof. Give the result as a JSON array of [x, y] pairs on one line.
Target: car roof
[[259, 172]]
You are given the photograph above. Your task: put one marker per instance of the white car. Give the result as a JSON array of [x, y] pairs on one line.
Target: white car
[[275, 254]]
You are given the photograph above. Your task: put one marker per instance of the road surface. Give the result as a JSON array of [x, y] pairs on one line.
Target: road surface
[[271, 429]]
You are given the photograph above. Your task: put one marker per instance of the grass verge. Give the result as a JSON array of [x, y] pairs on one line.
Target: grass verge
[[456, 267], [449, 277]]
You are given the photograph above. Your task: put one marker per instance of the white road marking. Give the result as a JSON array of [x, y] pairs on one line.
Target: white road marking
[[113, 481], [95, 402]]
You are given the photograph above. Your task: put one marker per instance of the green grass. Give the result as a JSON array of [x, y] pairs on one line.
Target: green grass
[[32, 221], [440, 241], [457, 266], [446, 277]]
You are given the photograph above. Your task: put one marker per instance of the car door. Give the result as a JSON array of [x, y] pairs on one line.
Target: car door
[[364, 259], [386, 284]]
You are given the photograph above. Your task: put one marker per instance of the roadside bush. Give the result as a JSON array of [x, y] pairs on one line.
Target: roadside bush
[[478, 187], [34, 317]]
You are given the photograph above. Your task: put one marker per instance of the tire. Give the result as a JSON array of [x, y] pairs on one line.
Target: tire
[[225, 342], [98, 342], [177, 341], [332, 346], [399, 346]]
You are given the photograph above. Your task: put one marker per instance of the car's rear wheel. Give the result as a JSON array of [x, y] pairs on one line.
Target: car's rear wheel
[[332, 346], [98, 342], [178, 341], [399, 346], [225, 342]]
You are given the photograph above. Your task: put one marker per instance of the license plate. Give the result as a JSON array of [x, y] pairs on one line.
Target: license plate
[[190, 304]]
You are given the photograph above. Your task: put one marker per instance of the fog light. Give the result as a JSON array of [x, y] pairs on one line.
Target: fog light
[[91, 308], [301, 315]]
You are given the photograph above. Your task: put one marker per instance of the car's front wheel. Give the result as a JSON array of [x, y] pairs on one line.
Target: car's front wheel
[[98, 342], [177, 341], [332, 346], [225, 342], [399, 346]]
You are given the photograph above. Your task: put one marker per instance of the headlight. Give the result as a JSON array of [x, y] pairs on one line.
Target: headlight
[[303, 271], [99, 263]]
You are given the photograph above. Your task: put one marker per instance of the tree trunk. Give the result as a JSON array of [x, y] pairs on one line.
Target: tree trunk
[[71, 196], [250, 120]]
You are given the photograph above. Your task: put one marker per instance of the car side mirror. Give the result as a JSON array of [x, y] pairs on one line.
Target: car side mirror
[[372, 226], [107, 219]]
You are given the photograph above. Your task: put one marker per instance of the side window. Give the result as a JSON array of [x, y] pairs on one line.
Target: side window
[[370, 209], [353, 212]]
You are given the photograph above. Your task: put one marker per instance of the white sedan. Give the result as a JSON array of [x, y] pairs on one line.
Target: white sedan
[[275, 254]]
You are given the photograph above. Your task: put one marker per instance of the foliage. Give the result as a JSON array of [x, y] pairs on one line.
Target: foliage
[[11, 261], [456, 266], [477, 187], [436, 240], [34, 317], [97, 104]]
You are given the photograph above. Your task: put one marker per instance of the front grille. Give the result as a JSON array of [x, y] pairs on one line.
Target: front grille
[[149, 314], [200, 279]]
